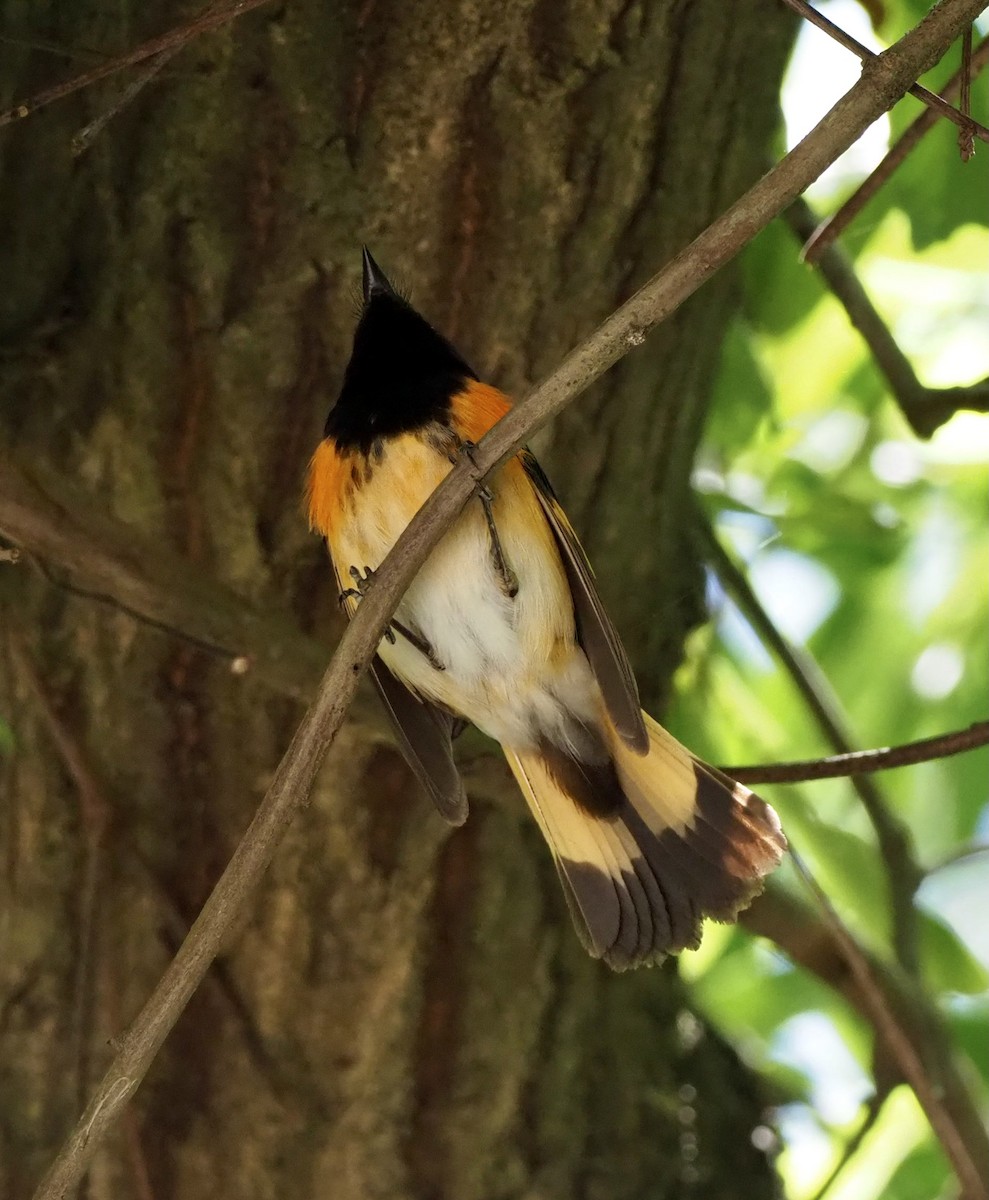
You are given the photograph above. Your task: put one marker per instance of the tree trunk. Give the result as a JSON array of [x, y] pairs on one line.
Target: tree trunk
[[405, 1011]]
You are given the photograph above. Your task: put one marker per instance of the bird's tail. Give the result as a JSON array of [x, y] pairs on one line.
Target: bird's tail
[[644, 861]]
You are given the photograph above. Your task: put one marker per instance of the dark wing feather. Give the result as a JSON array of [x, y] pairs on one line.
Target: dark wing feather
[[425, 735], [595, 631]]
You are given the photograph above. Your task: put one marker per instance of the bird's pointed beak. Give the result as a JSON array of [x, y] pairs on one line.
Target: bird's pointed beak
[[375, 280]]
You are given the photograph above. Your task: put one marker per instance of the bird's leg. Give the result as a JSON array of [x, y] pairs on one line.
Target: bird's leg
[[509, 580], [362, 582], [419, 642]]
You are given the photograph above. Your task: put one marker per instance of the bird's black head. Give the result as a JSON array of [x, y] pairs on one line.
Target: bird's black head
[[401, 375]]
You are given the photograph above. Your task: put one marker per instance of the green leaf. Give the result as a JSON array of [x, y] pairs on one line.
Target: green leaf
[[968, 1018], [948, 964], [848, 868], [922, 1175], [753, 990], [780, 290], [742, 395]]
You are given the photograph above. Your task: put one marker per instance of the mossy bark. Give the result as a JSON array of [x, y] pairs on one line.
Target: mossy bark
[[403, 1011]]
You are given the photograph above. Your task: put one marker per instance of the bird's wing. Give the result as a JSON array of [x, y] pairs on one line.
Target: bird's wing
[[595, 631], [425, 734]]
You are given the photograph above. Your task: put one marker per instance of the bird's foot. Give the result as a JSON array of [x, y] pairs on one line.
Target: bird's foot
[[362, 583]]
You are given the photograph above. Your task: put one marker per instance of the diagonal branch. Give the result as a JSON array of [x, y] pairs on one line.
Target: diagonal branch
[[924, 407], [85, 137], [907, 1025], [828, 230], [94, 817], [937, 104], [170, 41], [907, 1050], [57, 522], [801, 930], [881, 84], [873, 1111], [966, 142]]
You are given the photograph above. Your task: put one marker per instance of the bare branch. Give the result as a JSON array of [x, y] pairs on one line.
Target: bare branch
[[893, 836], [882, 82], [966, 143], [801, 931], [884, 997], [900, 1013], [59, 49], [93, 809], [924, 407], [98, 810], [85, 137], [172, 40], [107, 560], [874, 1108], [860, 762], [830, 229], [93, 821], [969, 1161], [935, 103]]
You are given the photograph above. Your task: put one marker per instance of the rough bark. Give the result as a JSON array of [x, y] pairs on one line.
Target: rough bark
[[406, 1012]]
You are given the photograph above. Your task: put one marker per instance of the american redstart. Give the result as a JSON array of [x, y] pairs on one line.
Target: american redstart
[[502, 627]]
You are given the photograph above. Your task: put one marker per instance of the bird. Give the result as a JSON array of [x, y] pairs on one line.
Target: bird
[[503, 628]]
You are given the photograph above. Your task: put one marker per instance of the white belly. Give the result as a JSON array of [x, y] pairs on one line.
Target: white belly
[[510, 665]]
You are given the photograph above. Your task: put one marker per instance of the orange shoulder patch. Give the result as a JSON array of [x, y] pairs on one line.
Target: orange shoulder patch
[[329, 475], [477, 408]]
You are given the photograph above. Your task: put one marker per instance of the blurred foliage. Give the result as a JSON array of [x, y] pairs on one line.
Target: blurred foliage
[[867, 547]]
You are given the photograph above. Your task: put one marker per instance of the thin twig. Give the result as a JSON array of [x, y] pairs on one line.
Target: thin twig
[[924, 407], [934, 102], [223, 652], [959, 854], [93, 810], [108, 560], [93, 820], [873, 1109], [904, 875], [860, 762], [57, 48], [970, 1171], [85, 137], [966, 143], [97, 810], [893, 836], [878, 88], [172, 39], [898, 153], [800, 930]]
